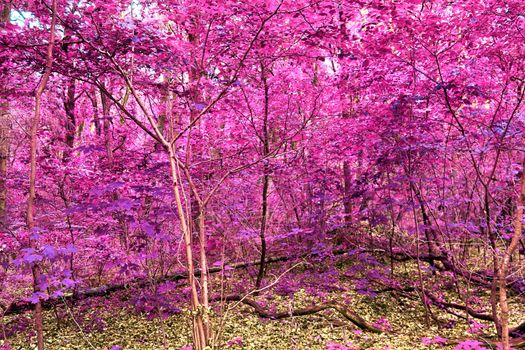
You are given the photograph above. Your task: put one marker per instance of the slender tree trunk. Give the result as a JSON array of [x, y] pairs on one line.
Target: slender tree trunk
[[70, 123], [37, 313], [5, 128], [495, 262], [69, 103], [429, 236], [204, 275], [347, 201], [96, 113], [70, 131], [262, 232], [197, 208], [505, 263], [107, 126], [199, 333], [5, 11], [266, 181], [32, 174], [418, 254]]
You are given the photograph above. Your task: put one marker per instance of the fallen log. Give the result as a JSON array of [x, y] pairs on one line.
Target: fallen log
[[22, 306], [514, 285], [446, 305], [141, 282], [344, 311], [439, 303]]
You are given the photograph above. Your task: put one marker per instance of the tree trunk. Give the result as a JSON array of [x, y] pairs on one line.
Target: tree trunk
[[505, 264], [107, 126], [5, 128], [204, 275], [32, 173], [69, 106], [69, 135], [266, 181], [347, 201], [70, 122], [200, 338]]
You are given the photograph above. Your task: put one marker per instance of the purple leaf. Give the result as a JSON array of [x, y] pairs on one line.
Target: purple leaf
[[148, 229], [68, 283], [49, 252], [57, 294], [32, 258]]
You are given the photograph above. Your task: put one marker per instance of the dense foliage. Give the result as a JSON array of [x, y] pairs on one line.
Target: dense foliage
[[213, 154]]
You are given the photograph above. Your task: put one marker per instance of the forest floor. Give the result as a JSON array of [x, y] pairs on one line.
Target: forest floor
[[105, 327], [147, 320]]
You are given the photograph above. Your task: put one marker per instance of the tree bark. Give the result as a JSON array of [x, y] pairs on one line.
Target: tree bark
[[266, 181], [32, 173], [199, 332], [347, 200], [107, 126], [505, 263], [5, 128], [344, 311]]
